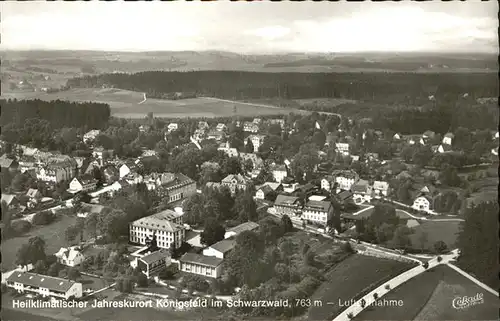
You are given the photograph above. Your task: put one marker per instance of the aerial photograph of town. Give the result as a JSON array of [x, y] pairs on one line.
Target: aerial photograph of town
[[249, 160]]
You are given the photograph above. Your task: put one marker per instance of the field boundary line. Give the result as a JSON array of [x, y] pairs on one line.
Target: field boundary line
[[473, 279]]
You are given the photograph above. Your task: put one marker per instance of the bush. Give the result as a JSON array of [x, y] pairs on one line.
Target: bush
[[375, 296], [439, 259], [387, 287], [43, 218], [20, 227], [350, 315], [347, 248]]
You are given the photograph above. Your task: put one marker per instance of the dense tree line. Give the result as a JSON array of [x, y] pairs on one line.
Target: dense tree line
[[57, 113], [251, 85]]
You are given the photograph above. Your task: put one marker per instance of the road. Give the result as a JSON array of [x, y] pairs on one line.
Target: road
[[356, 308]]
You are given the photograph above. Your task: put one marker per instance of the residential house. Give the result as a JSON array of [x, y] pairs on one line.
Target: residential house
[[279, 173], [172, 127], [220, 249], [110, 174], [448, 138], [176, 186], [102, 154], [11, 200], [380, 188], [208, 266], [235, 182], [213, 185], [166, 227], [362, 191], [27, 166], [234, 231], [221, 127], [144, 128], [8, 163], [342, 148], [44, 285], [278, 121], [215, 134], [344, 179], [71, 256], [91, 136], [57, 172], [134, 178], [257, 141], [84, 184], [231, 152], [153, 263], [87, 209], [443, 148], [396, 136], [423, 202], [355, 158], [34, 194], [317, 211], [29, 151], [199, 134], [250, 127], [263, 192], [257, 121], [287, 205], [203, 125], [126, 169]]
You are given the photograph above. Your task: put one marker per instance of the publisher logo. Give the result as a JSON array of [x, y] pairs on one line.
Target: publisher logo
[[465, 302]]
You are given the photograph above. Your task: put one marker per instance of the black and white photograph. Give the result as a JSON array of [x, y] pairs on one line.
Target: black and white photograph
[[249, 160]]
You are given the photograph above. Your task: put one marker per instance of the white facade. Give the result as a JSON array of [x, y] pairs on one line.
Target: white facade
[[421, 203], [46, 286], [344, 182], [70, 256], [172, 127], [447, 140], [209, 251], [54, 174], [201, 269], [91, 135], [380, 188], [279, 175], [342, 148], [260, 194], [124, 170], [166, 226], [76, 185], [257, 141]]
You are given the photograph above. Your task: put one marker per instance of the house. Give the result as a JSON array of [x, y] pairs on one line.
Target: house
[[134, 178], [70, 256], [263, 192], [176, 186], [199, 135], [257, 141], [8, 163], [342, 148], [256, 160], [203, 125], [411, 223], [257, 121], [231, 152], [396, 136], [371, 157], [29, 151], [208, 266], [355, 158], [172, 127], [110, 174], [277, 121], [213, 185], [11, 200], [279, 173], [448, 138], [102, 154], [87, 184], [126, 169], [428, 134], [380, 188], [287, 205], [57, 172], [344, 196], [317, 211], [235, 182], [215, 134], [221, 127], [443, 148], [494, 151], [34, 194], [362, 191], [44, 285], [144, 128], [153, 263], [220, 249], [165, 227], [423, 203], [234, 231], [91, 136], [343, 178], [250, 127]]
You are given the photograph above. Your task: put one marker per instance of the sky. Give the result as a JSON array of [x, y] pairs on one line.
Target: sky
[[251, 27]]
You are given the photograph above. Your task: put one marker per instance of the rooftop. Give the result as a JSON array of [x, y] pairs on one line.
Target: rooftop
[[318, 205], [38, 280], [224, 245], [160, 221], [155, 256], [247, 226], [286, 200], [201, 259]]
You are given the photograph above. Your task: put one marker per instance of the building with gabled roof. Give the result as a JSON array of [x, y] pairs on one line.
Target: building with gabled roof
[[8, 163], [235, 231], [91, 135], [235, 182], [153, 262], [220, 249], [448, 138], [287, 205], [279, 172], [44, 285], [166, 227], [318, 212], [208, 266], [71, 256]]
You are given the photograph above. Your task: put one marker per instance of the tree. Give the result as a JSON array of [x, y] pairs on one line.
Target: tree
[[249, 148], [71, 233], [23, 257], [91, 223], [286, 224], [449, 176], [231, 165], [142, 280], [401, 237], [73, 273], [169, 273], [54, 269], [43, 218], [245, 207], [36, 249], [6, 218], [270, 231], [347, 248], [440, 247], [40, 267], [212, 233]]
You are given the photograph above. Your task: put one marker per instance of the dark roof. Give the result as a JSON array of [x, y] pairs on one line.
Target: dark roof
[[179, 179], [201, 259], [38, 280], [344, 195], [6, 162], [224, 245], [284, 200], [318, 205], [155, 256], [247, 226], [266, 189]]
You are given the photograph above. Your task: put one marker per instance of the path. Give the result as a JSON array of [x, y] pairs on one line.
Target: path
[[356, 308], [143, 100], [194, 141], [363, 210], [432, 219], [473, 279]]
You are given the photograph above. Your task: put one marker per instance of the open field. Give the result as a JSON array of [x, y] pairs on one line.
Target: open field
[[437, 231], [429, 296], [349, 279], [125, 104], [16, 315], [53, 234]]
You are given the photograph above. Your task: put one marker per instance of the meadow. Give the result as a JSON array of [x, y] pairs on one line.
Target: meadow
[[429, 296], [128, 104], [445, 231], [350, 279]]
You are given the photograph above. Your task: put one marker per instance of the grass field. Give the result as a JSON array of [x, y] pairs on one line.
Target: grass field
[[429, 296], [125, 104], [349, 279], [16, 315], [53, 234], [437, 231]]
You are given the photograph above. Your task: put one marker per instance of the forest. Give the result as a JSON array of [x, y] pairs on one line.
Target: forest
[[57, 113], [389, 88]]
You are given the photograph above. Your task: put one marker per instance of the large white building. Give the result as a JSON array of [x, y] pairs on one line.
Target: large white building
[[91, 135], [257, 141], [82, 185], [344, 180], [70, 256], [167, 226], [208, 266], [57, 172], [317, 211], [44, 285], [279, 173]]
